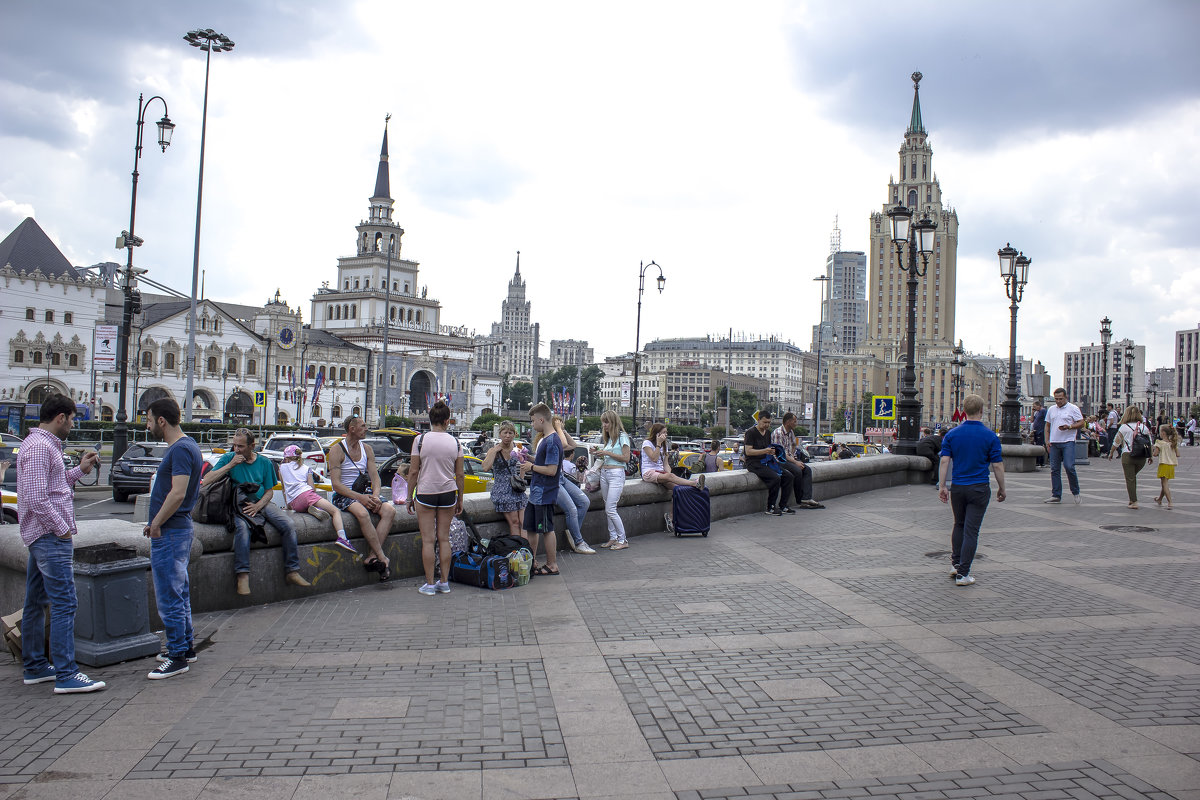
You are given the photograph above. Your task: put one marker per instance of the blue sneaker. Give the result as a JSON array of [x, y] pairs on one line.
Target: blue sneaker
[[45, 674], [77, 684]]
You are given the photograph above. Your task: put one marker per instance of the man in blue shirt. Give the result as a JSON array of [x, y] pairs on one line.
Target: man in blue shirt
[[176, 487], [543, 488], [971, 447]]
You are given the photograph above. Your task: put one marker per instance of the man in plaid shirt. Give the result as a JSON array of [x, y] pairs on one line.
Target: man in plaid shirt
[[45, 504], [785, 437]]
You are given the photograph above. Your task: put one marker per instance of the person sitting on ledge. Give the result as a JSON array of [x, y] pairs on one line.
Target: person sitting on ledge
[[758, 449]]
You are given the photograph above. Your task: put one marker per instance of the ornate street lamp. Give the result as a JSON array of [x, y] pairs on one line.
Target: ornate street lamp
[[1105, 389], [1129, 375], [637, 357], [132, 302], [919, 237], [956, 374], [1014, 268], [209, 41], [825, 280]]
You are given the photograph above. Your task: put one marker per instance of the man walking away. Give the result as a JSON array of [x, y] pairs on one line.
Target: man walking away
[[45, 505], [176, 487], [1038, 429], [969, 448], [758, 448], [1062, 420], [1111, 422]]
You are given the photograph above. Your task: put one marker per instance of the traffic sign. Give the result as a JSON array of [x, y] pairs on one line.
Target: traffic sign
[[260, 399], [883, 407]]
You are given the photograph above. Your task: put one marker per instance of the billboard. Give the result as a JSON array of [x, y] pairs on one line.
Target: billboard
[[104, 348]]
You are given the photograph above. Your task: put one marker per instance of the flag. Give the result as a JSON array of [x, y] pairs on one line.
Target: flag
[[317, 384]]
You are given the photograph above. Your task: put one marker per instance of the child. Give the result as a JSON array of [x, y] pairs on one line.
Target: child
[[400, 485], [297, 478], [1166, 450]]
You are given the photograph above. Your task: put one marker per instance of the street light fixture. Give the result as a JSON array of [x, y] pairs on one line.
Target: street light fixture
[[1129, 353], [919, 236], [957, 366], [637, 358], [825, 280], [132, 298], [1105, 338], [209, 41], [1014, 269]]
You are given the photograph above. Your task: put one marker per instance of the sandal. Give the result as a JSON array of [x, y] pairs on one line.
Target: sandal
[[542, 569], [371, 564], [384, 570]]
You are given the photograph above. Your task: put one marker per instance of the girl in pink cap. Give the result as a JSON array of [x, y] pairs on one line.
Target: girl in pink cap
[[300, 495]]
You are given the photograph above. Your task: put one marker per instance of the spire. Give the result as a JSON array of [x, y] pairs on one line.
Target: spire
[[518, 273], [382, 183], [915, 125]]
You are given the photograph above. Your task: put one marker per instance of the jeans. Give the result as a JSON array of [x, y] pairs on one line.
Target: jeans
[[280, 522], [1062, 454], [801, 482], [169, 556], [1131, 467], [774, 482], [612, 482], [574, 503], [1112, 434], [49, 578], [969, 503], [1040, 440]]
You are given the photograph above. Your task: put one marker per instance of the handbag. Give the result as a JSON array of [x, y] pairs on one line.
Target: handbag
[[362, 484]]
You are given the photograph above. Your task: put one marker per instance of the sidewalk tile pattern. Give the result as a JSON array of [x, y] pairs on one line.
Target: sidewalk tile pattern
[[1179, 583]]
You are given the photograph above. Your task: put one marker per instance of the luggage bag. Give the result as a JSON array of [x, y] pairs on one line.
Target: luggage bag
[[691, 511]]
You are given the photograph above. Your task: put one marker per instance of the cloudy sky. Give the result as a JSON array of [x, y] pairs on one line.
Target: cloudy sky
[[717, 139]]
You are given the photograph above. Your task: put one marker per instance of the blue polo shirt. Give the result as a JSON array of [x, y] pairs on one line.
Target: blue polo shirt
[[973, 447]]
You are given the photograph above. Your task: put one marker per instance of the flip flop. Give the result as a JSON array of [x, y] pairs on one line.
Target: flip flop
[[542, 569], [385, 572]]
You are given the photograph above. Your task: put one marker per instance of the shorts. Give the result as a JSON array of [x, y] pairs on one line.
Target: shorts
[[539, 519], [652, 476], [438, 500], [343, 503], [1166, 471], [305, 500]]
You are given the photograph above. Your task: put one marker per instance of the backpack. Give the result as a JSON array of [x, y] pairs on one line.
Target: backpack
[[214, 504], [1140, 447], [501, 545]]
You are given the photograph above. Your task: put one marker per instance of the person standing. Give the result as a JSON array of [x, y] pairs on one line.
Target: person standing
[[1111, 420], [176, 487], [1062, 420], [969, 449], [1131, 427], [1166, 450], [758, 448], [504, 463], [785, 437], [543, 487], [435, 480], [573, 501], [1037, 430], [45, 505], [615, 452], [1191, 431], [254, 480]]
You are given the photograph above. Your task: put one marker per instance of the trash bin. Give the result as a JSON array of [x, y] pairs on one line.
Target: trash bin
[[113, 621], [1081, 451]]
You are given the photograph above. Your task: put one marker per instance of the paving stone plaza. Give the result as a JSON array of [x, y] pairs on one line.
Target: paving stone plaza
[[825, 655]]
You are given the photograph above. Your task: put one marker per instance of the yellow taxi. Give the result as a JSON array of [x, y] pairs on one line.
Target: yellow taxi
[[475, 478], [862, 449], [9, 505]]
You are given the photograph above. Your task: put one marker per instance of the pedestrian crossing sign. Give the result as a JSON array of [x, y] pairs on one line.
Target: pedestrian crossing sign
[[260, 399], [883, 407]]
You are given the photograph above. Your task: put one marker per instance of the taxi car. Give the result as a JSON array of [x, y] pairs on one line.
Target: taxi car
[[475, 478], [862, 449], [8, 502]]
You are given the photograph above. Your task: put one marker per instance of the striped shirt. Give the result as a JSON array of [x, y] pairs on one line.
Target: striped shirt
[[45, 489]]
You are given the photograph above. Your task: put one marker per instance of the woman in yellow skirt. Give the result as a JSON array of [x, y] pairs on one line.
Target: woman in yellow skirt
[[1166, 450]]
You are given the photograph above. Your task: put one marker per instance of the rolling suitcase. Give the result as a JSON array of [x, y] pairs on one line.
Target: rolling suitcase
[[690, 511]]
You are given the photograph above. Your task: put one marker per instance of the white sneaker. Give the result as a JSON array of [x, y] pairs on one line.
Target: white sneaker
[[585, 549], [443, 587], [964, 580], [1078, 498], [428, 588]]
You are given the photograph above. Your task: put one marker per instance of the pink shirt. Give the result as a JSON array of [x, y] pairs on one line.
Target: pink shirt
[[438, 451], [45, 489]]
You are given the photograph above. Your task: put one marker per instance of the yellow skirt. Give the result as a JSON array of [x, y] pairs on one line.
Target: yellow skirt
[[1166, 471]]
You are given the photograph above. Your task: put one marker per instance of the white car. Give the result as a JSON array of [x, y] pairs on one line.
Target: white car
[[309, 445]]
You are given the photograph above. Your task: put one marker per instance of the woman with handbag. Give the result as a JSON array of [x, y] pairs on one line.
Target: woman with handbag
[[614, 454], [508, 487], [435, 485], [1133, 437]]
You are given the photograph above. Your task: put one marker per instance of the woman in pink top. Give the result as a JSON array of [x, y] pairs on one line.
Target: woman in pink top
[[435, 485]]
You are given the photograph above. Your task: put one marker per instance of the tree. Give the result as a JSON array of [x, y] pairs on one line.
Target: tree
[[484, 422], [718, 432], [393, 421], [520, 395], [589, 388]]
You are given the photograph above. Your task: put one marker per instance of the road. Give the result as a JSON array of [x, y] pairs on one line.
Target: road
[[97, 506]]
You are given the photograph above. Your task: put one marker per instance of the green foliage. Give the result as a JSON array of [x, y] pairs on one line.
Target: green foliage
[[1194, 411], [718, 432], [685, 431], [519, 395], [484, 422], [394, 421]]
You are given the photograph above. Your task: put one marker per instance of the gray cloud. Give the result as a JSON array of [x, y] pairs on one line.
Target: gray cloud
[[995, 71]]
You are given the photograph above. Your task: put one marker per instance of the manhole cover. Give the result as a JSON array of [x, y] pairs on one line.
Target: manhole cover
[[1127, 528], [945, 555]]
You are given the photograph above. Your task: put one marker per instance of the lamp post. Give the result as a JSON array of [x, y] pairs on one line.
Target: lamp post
[[387, 332], [637, 344], [957, 365], [1128, 375], [1154, 402], [824, 279], [1105, 338], [207, 40], [132, 300], [919, 237], [1014, 268], [224, 399]]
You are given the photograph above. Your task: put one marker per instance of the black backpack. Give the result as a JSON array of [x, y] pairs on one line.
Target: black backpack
[[504, 545], [214, 504], [1140, 447]]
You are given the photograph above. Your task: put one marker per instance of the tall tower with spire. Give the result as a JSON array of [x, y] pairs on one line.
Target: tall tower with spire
[[514, 332], [919, 190]]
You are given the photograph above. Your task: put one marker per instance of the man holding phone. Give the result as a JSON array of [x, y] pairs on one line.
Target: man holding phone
[[1062, 420]]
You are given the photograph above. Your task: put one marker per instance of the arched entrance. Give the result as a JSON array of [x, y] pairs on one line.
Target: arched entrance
[[38, 392], [149, 396], [203, 400], [282, 418], [239, 406], [420, 389], [106, 414]]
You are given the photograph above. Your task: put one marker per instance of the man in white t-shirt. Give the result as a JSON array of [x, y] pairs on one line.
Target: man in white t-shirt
[[1111, 422], [1063, 419]]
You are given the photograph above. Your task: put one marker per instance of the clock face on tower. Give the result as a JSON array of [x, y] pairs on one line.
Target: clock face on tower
[[287, 337]]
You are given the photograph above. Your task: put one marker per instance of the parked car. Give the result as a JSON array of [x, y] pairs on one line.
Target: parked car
[[309, 445], [8, 502], [133, 471], [10, 440], [819, 451], [475, 479]]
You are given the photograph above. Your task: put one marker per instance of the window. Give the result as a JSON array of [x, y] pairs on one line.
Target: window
[[367, 283], [347, 284], [354, 311], [19, 357], [337, 411], [251, 366], [231, 366], [393, 379], [55, 359], [312, 371], [212, 364], [356, 283], [342, 375], [49, 316], [169, 361], [147, 359], [29, 313], [68, 318], [73, 360], [106, 386]]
